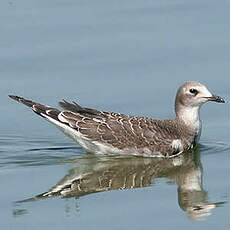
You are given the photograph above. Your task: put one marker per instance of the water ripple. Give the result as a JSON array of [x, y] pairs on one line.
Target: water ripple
[[209, 147], [17, 151]]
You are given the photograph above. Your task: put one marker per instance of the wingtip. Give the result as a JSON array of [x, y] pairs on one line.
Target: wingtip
[[14, 97], [22, 100]]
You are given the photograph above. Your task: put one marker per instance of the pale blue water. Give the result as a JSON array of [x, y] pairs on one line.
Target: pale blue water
[[127, 57]]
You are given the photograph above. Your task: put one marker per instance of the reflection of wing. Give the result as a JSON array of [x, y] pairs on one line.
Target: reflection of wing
[[113, 173]]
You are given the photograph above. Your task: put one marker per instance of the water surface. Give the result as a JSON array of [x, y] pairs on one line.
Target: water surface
[[127, 57]]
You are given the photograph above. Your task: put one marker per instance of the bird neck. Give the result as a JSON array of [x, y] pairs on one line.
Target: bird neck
[[190, 115]]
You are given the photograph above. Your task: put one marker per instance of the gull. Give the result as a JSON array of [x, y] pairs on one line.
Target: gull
[[114, 133]]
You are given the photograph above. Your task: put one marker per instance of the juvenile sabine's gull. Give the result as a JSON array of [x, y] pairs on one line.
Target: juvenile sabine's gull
[[114, 133]]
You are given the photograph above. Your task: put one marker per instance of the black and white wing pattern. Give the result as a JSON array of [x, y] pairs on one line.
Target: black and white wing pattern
[[108, 132]]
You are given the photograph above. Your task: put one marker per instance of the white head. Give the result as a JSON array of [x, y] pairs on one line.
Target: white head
[[190, 97]]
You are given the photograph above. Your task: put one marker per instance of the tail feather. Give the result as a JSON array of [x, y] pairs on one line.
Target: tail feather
[[87, 112], [73, 107]]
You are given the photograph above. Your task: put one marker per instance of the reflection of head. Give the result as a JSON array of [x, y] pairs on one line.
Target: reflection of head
[[192, 198], [200, 211], [194, 203]]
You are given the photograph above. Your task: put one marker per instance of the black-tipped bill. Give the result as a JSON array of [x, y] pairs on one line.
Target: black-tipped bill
[[216, 99]]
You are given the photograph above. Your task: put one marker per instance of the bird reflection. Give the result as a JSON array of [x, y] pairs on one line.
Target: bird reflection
[[93, 173]]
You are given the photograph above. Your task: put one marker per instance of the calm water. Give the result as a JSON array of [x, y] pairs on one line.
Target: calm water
[[124, 56]]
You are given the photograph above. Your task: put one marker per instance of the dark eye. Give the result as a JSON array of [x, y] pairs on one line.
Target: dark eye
[[193, 91]]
